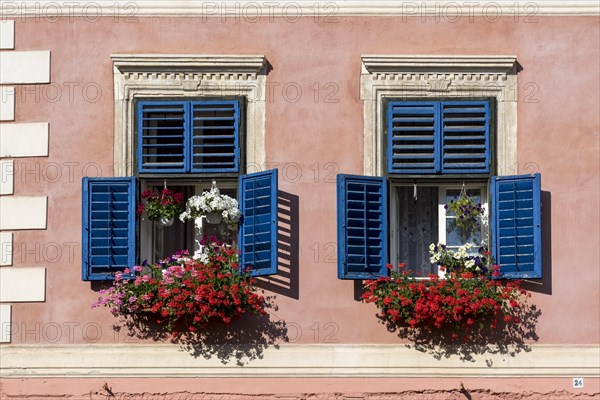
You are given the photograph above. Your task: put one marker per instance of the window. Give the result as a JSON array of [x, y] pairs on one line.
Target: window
[[432, 125], [185, 120]]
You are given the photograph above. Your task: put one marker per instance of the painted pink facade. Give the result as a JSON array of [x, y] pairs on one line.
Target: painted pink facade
[[314, 131]]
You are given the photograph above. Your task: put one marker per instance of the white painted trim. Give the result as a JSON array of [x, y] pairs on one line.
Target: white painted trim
[[7, 176], [22, 284], [23, 212], [7, 35], [5, 323], [24, 139], [323, 361], [188, 76], [6, 248], [435, 76], [23, 67], [326, 11], [7, 103]]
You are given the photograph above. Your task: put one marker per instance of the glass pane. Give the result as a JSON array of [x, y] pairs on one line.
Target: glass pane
[[455, 236], [417, 227], [179, 236]]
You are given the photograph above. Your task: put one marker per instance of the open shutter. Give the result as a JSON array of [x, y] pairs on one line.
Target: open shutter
[[108, 227], [465, 136], [162, 144], [516, 225], [362, 227], [413, 130], [215, 136], [258, 229]]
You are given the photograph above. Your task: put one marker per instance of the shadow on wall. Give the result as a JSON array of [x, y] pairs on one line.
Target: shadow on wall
[[544, 285], [241, 341], [286, 281], [508, 339]]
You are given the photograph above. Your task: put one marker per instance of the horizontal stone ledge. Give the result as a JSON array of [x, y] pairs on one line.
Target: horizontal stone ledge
[[291, 360]]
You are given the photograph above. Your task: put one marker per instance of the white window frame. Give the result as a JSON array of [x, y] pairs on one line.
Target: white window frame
[[148, 228], [442, 214]]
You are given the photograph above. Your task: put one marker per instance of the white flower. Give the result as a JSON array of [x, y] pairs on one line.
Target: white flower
[[213, 200]]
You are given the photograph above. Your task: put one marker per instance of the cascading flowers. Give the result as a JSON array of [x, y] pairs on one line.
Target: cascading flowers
[[212, 201], [187, 293], [461, 303], [461, 259]]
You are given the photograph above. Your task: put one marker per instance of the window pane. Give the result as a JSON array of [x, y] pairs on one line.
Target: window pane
[[167, 240], [418, 227], [456, 237]]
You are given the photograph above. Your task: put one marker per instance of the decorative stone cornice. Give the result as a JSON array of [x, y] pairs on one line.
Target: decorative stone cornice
[[251, 10], [432, 64], [189, 67]]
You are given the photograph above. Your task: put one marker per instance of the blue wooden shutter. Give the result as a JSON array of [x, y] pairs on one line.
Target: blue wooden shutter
[[465, 137], [516, 225], [413, 137], [258, 230], [362, 227], [162, 131], [215, 136], [108, 226]]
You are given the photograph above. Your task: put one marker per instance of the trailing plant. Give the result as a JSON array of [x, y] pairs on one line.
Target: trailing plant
[[461, 259], [462, 303], [186, 292]]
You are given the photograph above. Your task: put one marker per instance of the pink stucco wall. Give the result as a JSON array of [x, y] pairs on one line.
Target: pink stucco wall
[[311, 140], [297, 389]]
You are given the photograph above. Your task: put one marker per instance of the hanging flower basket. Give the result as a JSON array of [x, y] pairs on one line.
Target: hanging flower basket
[[161, 207], [213, 205], [467, 211]]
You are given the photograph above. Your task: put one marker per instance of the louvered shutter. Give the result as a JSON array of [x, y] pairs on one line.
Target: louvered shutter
[[215, 136], [516, 225], [465, 127], [162, 145], [108, 227], [258, 229], [362, 227], [412, 145]]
